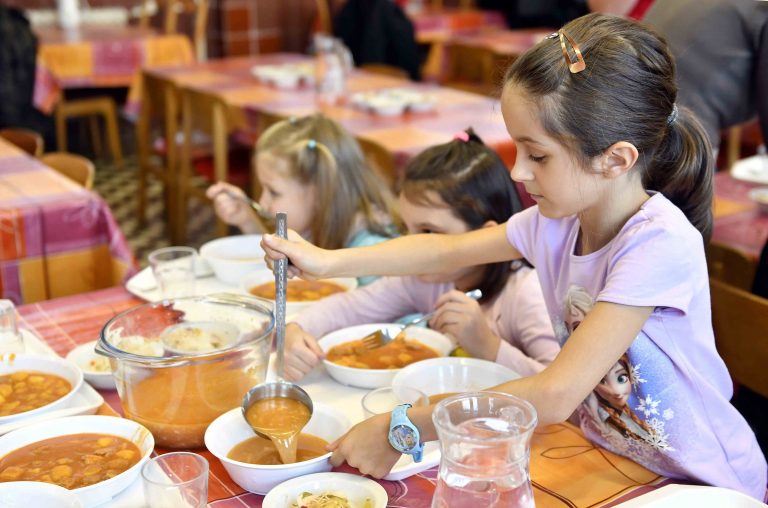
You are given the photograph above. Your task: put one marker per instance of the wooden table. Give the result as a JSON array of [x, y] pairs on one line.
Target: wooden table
[[566, 469], [56, 238]]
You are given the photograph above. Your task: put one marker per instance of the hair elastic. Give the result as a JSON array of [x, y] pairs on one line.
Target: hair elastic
[[462, 136], [292, 120], [311, 144], [673, 115]]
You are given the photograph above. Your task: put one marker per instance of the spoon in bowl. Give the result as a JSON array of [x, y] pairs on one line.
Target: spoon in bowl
[[279, 410]]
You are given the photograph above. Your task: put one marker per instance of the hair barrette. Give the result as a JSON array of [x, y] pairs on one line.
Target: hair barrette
[[577, 65], [462, 136], [673, 115], [311, 144]]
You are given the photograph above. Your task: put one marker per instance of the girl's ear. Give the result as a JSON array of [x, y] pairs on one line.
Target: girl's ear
[[489, 224], [618, 159]]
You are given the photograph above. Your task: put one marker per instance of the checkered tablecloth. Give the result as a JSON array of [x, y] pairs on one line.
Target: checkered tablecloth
[[56, 238], [738, 221], [403, 135], [511, 43], [100, 57], [566, 469], [440, 24]]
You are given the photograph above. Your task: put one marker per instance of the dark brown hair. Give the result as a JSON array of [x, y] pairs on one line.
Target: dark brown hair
[[626, 93], [472, 179]]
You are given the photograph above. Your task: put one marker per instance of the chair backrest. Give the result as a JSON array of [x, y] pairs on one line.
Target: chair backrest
[[382, 160], [740, 322], [324, 24], [159, 110], [730, 265], [74, 167], [29, 141], [171, 10]]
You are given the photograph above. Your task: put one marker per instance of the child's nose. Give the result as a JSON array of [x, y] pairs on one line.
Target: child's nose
[[520, 173]]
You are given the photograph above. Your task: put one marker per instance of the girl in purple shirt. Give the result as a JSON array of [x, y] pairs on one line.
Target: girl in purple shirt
[[450, 188], [622, 178]]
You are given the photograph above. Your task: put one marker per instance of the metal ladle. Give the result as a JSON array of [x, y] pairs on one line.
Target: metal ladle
[[279, 388]]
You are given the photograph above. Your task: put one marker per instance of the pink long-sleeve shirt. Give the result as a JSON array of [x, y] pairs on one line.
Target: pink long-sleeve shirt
[[518, 314]]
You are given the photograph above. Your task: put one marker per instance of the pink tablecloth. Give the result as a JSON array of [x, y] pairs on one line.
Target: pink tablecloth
[[56, 238], [439, 24], [566, 469], [738, 221]]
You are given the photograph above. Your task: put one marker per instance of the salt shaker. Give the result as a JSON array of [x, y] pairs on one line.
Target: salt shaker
[[10, 338]]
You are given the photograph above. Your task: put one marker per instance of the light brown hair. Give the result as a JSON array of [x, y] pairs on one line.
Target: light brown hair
[[321, 153], [626, 93]]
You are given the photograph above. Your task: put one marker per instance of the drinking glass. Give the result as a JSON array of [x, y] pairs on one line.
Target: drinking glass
[[174, 271], [10, 338], [176, 480], [485, 446], [384, 400]]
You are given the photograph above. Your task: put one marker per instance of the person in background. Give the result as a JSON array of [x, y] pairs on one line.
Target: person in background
[[622, 177], [314, 170], [451, 188], [721, 53]]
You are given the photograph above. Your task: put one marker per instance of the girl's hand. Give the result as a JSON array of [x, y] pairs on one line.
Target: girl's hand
[[234, 212], [305, 260], [301, 352], [460, 316], [366, 447]]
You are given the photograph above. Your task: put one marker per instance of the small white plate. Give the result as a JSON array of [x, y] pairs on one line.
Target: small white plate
[[751, 169], [82, 356], [355, 488], [144, 286], [674, 496]]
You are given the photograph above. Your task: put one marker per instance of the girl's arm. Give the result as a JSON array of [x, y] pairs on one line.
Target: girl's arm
[[596, 345], [407, 255]]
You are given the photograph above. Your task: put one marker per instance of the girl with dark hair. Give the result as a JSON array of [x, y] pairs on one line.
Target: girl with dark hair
[[622, 178], [451, 188]]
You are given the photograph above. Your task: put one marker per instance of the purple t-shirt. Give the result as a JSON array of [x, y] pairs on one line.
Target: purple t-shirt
[[664, 404]]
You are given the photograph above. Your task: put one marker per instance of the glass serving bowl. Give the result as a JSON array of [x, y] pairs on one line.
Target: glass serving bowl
[[179, 364]]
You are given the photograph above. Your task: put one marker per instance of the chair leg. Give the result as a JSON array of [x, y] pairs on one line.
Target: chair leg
[[113, 135], [93, 125], [61, 128]]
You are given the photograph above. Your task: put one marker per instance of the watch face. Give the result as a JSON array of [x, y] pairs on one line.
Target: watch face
[[403, 438]]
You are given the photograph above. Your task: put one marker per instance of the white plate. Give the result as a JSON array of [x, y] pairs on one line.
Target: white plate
[[355, 488], [448, 375], [144, 286], [751, 169], [265, 275], [86, 401], [676, 496], [82, 356]]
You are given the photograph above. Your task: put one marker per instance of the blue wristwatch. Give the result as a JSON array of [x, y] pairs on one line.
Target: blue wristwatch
[[403, 434]]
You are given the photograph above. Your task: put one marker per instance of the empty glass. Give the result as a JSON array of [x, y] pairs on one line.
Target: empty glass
[[485, 445], [10, 338], [384, 400], [174, 271], [176, 480]]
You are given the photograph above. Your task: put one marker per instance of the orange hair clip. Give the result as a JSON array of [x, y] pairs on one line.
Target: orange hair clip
[[575, 66]]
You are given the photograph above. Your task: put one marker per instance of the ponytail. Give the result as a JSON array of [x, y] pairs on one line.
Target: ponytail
[[683, 168]]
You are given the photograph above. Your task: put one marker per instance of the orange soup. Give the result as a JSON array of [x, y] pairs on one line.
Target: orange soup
[[281, 419], [395, 355], [72, 461], [299, 290], [258, 450], [26, 390]]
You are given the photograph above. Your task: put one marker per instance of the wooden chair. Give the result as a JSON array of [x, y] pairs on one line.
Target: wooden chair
[[730, 266], [29, 141], [474, 69], [382, 160], [385, 70], [740, 321], [93, 108], [171, 10], [323, 22], [74, 167], [158, 121]]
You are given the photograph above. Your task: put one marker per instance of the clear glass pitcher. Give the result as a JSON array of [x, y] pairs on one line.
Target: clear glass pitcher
[[485, 442], [332, 64]]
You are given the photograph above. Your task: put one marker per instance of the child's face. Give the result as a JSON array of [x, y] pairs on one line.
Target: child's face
[[284, 194], [433, 215], [546, 167], [615, 386]]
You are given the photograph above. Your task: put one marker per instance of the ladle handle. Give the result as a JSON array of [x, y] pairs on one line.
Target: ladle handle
[[281, 281]]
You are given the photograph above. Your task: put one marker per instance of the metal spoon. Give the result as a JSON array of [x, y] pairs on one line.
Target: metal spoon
[[255, 206], [279, 388]]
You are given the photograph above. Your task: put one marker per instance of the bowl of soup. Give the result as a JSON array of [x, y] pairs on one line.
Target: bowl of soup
[[253, 462], [233, 257], [299, 293], [349, 362], [179, 364], [32, 384], [94, 457], [96, 368], [26, 494]]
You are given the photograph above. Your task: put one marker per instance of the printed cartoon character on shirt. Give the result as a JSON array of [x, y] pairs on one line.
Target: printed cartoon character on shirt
[[609, 403]]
